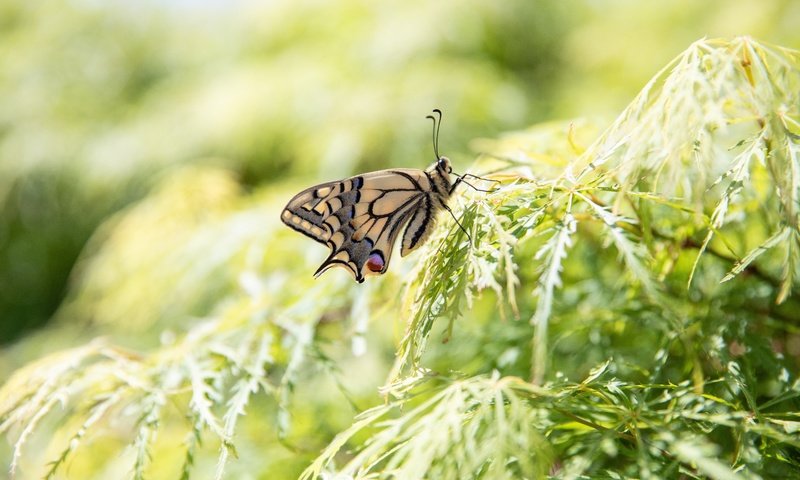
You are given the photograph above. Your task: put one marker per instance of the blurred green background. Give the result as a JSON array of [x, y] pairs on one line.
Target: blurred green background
[[102, 99]]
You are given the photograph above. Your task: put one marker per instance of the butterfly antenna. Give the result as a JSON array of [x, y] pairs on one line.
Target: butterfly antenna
[[434, 136], [438, 126]]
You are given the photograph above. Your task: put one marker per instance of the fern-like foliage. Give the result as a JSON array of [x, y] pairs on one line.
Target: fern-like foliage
[[626, 307], [698, 176], [480, 421]]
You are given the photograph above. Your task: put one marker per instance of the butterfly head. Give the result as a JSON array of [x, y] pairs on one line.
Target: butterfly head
[[443, 165]]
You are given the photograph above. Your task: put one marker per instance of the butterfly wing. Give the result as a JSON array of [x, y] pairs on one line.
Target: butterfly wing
[[360, 218]]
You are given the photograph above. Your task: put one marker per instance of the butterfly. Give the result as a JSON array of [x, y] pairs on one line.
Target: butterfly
[[360, 218]]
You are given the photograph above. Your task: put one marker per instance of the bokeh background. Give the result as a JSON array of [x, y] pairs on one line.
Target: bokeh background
[[100, 98], [101, 101]]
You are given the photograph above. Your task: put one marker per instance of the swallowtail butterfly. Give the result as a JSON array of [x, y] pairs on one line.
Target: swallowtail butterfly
[[360, 218]]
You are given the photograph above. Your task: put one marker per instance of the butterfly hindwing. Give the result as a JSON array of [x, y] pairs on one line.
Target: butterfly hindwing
[[419, 227], [360, 218]]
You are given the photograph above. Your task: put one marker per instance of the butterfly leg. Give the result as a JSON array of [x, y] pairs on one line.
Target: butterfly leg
[[480, 178], [459, 224], [460, 179], [473, 186], [455, 184]]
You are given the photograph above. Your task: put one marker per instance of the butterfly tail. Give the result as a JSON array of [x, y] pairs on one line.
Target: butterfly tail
[[330, 262]]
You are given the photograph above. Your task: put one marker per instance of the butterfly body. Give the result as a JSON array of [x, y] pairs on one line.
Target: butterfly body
[[360, 218]]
